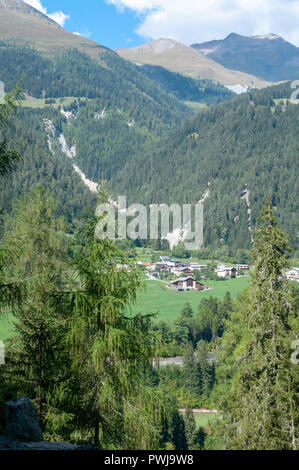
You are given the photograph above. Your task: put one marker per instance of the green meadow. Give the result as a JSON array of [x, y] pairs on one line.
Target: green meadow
[[204, 419], [36, 103], [6, 327], [158, 297]]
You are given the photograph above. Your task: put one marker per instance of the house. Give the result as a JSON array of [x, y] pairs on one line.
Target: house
[[186, 283], [220, 266], [163, 267], [293, 274], [185, 271], [225, 272], [199, 267], [146, 264], [182, 271], [242, 267], [169, 261]]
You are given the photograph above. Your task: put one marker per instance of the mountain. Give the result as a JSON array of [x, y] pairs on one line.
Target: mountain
[[189, 90], [231, 156], [87, 111], [177, 57], [23, 25], [85, 119], [268, 57], [116, 109]]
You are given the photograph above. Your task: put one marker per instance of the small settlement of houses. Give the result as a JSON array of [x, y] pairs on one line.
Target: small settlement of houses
[[184, 271]]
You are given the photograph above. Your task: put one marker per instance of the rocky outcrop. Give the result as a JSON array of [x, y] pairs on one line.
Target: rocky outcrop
[[24, 432], [21, 421], [10, 444]]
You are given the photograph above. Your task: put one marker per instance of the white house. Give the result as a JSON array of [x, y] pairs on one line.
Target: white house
[[186, 283], [225, 271], [293, 274]]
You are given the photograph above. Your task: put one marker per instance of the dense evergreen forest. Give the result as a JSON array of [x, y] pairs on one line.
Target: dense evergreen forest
[[39, 166], [121, 125], [186, 88], [240, 152], [117, 112]]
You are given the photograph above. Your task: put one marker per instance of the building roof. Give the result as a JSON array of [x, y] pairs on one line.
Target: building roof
[[182, 279], [225, 268]]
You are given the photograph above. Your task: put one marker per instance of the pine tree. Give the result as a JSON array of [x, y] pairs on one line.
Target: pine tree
[[182, 323], [38, 361], [177, 433], [111, 348], [190, 428], [9, 157], [264, 406], [206, 371], [191, 370]]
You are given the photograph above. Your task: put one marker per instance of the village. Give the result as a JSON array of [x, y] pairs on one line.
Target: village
[[185, 276]]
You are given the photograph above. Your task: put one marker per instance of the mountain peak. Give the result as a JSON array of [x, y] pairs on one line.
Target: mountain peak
[[180, 58], [21, 24], [268, 56], [157, 46], [18, 7], [233, 36]]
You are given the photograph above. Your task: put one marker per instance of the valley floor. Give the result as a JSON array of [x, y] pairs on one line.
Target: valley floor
[[158, 297]]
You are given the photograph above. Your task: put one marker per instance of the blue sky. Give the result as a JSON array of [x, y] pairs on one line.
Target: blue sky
[[98, 20], [127, 23]]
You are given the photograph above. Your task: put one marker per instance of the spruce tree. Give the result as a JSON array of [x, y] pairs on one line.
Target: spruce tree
[[191, 370], [263, 408], [190, 428], [206, 371], [38, 363], [9, 158], [111, 348]]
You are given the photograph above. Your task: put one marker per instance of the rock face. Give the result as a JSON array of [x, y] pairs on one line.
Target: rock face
[[24, 432], [22, 422]]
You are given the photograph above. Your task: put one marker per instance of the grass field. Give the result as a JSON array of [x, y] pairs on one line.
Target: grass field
[[40, 103], [6, 328], [168, 302], [159, 298], [204, 419], [196, 106]]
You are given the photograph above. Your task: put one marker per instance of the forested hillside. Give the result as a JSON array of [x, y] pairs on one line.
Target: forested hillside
[[236, 154], [74, 74], [40, 166], [115, 112], [130, 126], [187, 88]]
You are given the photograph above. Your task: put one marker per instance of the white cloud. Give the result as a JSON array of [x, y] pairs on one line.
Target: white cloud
[[57, 16], [84, 34], [192, 21]]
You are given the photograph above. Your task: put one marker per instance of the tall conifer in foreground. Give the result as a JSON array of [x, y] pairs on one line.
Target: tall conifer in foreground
[[37, 364], [263, 405], [9, 157], [111, 347]]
